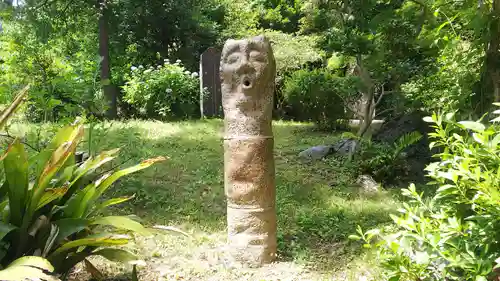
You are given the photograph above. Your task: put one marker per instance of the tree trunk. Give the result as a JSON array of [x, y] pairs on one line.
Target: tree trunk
[[367, 103], [492, 61], [107, 88], [494, 52], [367, 100]]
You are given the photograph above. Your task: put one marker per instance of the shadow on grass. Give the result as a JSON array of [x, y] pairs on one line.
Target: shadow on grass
[[318, 207]]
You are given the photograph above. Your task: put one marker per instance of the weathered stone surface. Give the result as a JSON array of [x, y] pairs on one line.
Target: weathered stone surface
[[316, 152], [345, 146], [248, 71], [211, 100]]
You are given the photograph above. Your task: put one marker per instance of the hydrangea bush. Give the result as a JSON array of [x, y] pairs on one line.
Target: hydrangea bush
[[166, 92]]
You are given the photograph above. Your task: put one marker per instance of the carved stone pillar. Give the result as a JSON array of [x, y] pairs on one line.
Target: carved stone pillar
[[248, 71]]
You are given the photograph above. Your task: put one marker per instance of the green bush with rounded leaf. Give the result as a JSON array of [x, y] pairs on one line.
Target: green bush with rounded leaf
[[166, 92]]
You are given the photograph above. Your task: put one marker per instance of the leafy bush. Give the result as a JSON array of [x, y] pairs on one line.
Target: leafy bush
[[453, 235], [451, 85], [317, 95], [62, 78], [166, 92], [51, 206], [385, 162]]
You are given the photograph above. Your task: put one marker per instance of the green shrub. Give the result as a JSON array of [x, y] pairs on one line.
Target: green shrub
[[455, 234], [164, 92], [51, 205], [317, 95]]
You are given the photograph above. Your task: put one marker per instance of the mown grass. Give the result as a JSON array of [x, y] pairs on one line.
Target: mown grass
[[319, 205]]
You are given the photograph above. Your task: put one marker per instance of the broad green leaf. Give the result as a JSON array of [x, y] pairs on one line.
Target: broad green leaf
[[50, 195], [79, 203], [40, 160], [428, 119], [478, 138], [69, 226], [28, 267], [89, 166], [445, 187], [16, 173], [354, 237], [471, 125], [66, 175], [111, 202], [122, 222], [395, 278], [496, 140], [496, 120], [5, 229], [118, 255], [92, 241], [422, 257], [33, 261], [57, 160], [106, 181]]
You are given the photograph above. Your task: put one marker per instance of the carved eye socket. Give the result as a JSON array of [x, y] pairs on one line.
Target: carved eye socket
[[233, 58], [257, 56]]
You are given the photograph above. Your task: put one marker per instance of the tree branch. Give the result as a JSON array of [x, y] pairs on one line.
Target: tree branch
[[23, 142], [384, 111], [380, 97]]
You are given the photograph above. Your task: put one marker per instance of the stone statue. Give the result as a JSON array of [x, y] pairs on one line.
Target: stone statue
[[248, 71]]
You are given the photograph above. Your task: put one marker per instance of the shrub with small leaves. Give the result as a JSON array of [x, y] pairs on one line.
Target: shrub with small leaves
[[164, 92], [454, 234], [317, 95]]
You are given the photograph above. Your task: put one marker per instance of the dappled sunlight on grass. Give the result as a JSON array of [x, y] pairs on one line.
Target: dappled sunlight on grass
[[318, 204]]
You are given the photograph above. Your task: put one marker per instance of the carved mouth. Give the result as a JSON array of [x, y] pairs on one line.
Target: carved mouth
[[247, 83]]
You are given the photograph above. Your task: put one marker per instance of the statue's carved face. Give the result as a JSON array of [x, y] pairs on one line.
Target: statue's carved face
[[247, 65]]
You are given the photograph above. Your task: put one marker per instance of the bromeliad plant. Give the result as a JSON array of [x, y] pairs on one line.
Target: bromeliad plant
[[50, 206], [455, 234]]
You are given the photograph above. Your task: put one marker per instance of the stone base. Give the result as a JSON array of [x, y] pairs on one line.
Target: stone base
[[252, 235]]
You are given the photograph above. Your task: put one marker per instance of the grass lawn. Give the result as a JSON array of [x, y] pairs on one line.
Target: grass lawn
[[318, 204]]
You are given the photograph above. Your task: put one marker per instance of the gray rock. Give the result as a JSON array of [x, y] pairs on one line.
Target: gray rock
[[316, 152], [343, 147], [368, 184]]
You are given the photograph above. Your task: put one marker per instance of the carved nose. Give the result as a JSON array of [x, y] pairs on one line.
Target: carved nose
[[245, 68]]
